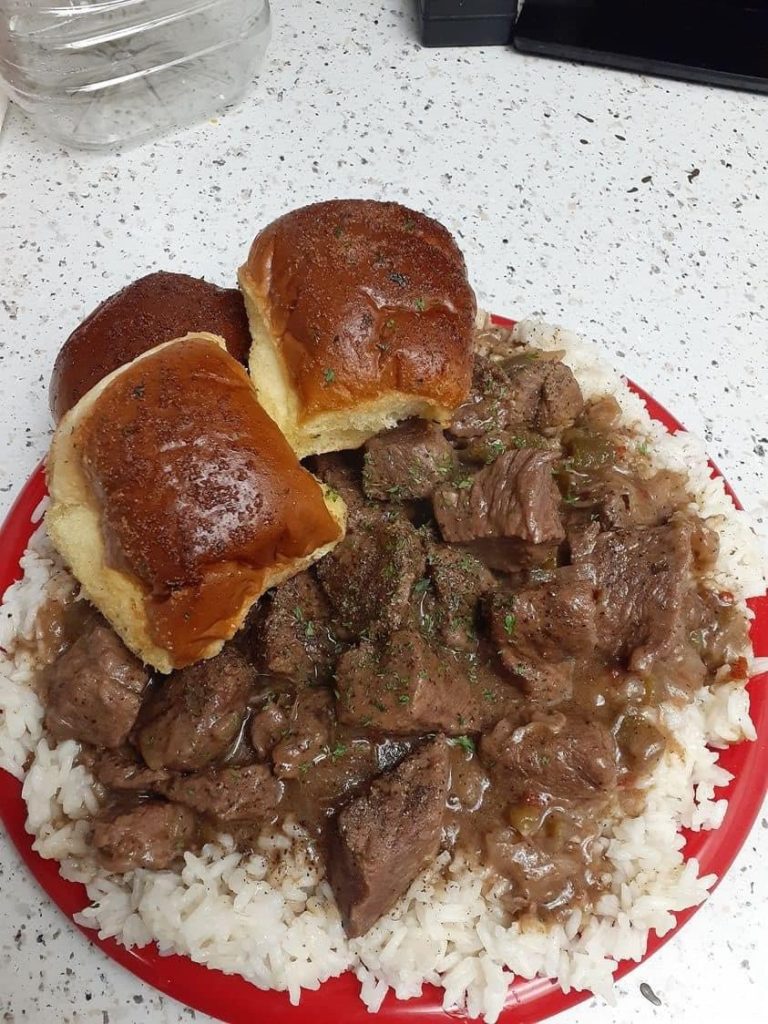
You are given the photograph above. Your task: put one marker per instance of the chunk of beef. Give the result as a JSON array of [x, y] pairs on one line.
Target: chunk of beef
[[525, 391], [308, 731], [540, 630], [541, 880], [123, 770], [516, 496], [623, 502], [613, 510], [512, 555], [270, 723], [485, 409], [95, 690], [341, 471], [560, 755], [294, 638], [581, 536], [458, 580], [151, 835], [543, 393], [484, 450], [368, 577], [407, 462], [194, 715], [643, 578], [641, 743], [246, 793], [381, 840], [401, 686], [602, 413]]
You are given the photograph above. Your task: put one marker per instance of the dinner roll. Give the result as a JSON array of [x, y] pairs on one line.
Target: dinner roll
[[361, 315], [177, 502], [156, 308]]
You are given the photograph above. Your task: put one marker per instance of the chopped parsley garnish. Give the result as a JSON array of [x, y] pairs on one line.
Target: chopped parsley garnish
[[420, 586], [329, 375], [466, 744], [495, 449], [403, 699], [510, 621], [420, 305], [339, 750]]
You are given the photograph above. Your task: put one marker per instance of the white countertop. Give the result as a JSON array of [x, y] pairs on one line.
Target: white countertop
[[573, 193]]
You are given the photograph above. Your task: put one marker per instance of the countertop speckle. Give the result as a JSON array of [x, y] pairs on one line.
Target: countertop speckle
[[630, 209]]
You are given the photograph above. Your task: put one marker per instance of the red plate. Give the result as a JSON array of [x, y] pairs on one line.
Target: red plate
[[235, 1001]]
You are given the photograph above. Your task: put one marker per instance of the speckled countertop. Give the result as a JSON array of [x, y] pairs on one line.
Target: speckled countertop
[[633, 210]]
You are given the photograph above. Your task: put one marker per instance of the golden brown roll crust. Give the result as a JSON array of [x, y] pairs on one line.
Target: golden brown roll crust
[[360, 300], [177, 501], [147, 312]]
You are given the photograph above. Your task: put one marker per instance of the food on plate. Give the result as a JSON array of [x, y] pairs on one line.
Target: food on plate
[[361, 316], [489, 635], [156, 308], [177, 502], [531, 592]]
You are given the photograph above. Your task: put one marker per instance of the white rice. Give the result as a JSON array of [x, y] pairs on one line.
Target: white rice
[[273, 919]]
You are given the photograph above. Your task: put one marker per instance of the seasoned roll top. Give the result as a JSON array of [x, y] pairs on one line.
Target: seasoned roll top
[[147, 312], [200, 500], [363, 302]]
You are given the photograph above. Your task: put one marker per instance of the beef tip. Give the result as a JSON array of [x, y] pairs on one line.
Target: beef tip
[[401, 686], [368, 577], [307, 734], [458, 581], [525, 391], [627, 503], [270, 723], [485, 410], [152, 835], [94, 690], [516, 496], [381, 840], [581, 537], [543, 881], [512, 555], [641, 743], [613, 510], [643, 578], [407, 461], [341, 471], [194, 715], [294, 637], [560, 755], [540, 630], [123, 770], [245, 793], [543, 393], [484, 450], [602, 413]]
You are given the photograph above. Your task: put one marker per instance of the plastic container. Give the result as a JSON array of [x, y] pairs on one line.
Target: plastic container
[[96, 73]]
